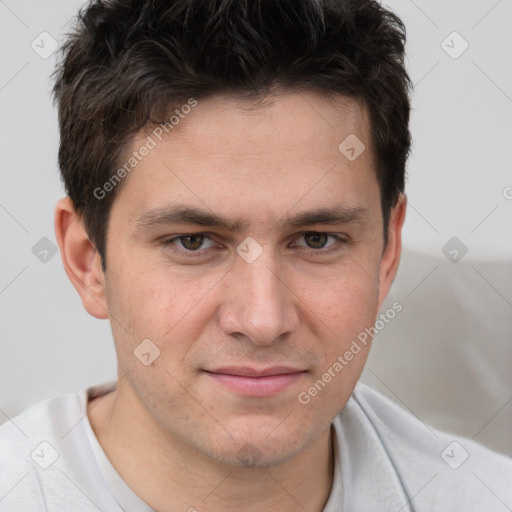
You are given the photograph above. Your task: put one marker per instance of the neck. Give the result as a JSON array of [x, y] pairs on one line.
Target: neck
[[170, 475]]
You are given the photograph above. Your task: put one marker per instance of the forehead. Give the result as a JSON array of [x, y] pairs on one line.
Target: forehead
[[287, 123], [285, 148]]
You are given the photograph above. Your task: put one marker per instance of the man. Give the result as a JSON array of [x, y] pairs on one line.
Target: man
[[235, 197]]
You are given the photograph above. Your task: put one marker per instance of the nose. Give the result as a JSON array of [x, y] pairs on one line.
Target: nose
[[258, 304]]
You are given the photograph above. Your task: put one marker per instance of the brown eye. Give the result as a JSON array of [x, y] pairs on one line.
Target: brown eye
[[191, 242], [316, 240], [320, 243], [198, 246]]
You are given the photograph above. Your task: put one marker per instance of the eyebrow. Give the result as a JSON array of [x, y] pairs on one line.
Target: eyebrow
[[180, 214]]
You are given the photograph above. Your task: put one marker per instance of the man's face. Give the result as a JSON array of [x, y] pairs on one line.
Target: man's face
[[245, 325]]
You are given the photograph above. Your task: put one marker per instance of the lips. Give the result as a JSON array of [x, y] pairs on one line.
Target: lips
[[256, 382], [246, 371]]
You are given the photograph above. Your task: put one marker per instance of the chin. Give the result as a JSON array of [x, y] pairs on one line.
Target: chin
[[253, 447]]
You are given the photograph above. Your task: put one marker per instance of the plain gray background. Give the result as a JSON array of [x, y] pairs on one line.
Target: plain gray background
[[446, 357]]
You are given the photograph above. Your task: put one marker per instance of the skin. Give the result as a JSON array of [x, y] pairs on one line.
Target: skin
[[295, 305]]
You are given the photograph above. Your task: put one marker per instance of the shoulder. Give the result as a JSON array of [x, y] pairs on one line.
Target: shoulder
[[446, 468], [42, 452], [47, 419], [27, 444]]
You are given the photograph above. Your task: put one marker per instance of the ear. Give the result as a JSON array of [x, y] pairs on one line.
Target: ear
[[80, 258], [393, 250]]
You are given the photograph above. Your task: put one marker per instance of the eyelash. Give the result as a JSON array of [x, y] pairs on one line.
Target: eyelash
[[168, 242]]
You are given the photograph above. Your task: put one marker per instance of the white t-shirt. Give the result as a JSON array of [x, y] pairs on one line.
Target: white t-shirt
[[385, 460]]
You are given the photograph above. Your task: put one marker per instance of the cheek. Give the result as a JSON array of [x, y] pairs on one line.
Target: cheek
[[157, 305], [343, 313], [345, 302]]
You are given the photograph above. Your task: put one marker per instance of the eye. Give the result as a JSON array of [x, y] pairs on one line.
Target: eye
[[192, 243], [318, 240]]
